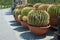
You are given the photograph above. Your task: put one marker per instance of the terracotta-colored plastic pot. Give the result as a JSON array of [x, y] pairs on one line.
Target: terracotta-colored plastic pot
[[17, 19], [24, 24], [53, 21], [38, 30]]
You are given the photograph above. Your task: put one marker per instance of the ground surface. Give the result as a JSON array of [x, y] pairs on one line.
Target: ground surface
[[11, 30]]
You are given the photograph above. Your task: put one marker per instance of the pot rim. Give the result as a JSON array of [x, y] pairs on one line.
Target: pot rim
[[40, 26]]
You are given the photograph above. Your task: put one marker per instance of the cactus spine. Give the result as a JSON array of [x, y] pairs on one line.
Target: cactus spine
[[38, 18]]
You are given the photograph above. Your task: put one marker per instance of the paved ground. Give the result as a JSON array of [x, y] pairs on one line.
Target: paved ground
[[11, 30]]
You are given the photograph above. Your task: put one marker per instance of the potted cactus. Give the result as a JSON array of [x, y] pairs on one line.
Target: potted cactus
[[38, 22], [54, 11], [24, 13]]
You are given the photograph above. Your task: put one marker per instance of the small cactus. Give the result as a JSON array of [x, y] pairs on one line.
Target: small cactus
[[44, 6], [38, 18], [19, 17], [24, 18], [36, 5], [25, 11], [54, 11]]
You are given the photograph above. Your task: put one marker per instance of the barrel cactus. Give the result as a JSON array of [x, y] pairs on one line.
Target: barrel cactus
[[54, 11], [25, 11], [36, 5], [44, 6], [20, 17], [38, 18], [24, 18], [16, 12]]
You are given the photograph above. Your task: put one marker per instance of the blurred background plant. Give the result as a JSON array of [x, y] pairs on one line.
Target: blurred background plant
[[8, 3], [5, 3]]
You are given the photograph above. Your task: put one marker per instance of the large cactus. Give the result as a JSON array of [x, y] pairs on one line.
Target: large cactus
[[54, 11], [25, 11], [44, 6], [38, 18], [36, 5], [16, 12]]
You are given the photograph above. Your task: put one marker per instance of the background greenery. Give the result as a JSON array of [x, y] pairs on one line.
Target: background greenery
[[7, 3], [44, 1]]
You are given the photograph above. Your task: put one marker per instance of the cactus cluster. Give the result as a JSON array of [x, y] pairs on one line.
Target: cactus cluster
[[54, 11], [25, 11], [38, 18]]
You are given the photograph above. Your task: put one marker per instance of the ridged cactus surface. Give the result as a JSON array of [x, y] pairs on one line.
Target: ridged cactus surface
[[38, 18], [24, 18], [20, 17], [16, 12], [25, 11], [54, 11]]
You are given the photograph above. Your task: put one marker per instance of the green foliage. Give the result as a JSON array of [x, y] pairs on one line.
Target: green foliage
[[44, 1], [54, 11], [33, 1], [25, 11], [57, 1], [5, 3], [38, 18]]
